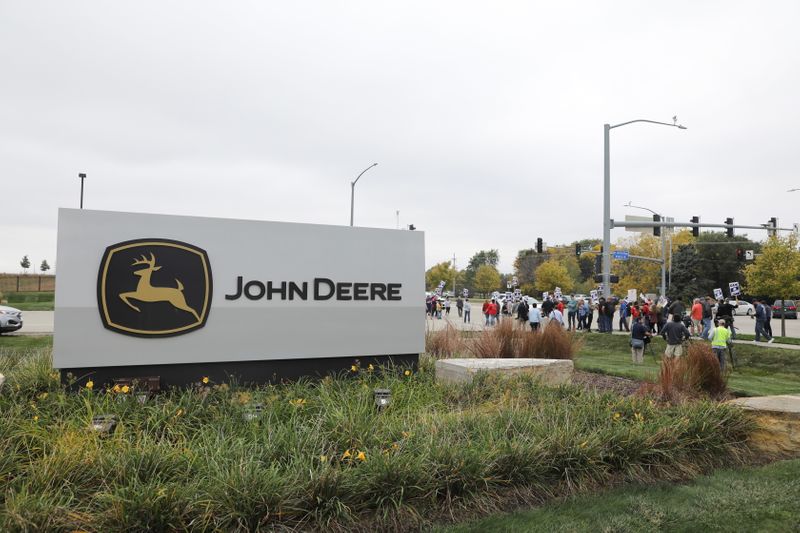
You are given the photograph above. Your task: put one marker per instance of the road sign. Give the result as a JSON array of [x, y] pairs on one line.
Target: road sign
[[749, 255], [622, 255]]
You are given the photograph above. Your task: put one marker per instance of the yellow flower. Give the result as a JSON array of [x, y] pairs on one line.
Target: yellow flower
[[125, 389], [323, 458], [616, 416], [405, 434], [116, 388], [346, 455], [353, 368], [361, 456], [35, 418], [370, 368], [90, 384], [205, 380], [179, 413], [395, 446], [584, 443], [298, 402], [407, 372]]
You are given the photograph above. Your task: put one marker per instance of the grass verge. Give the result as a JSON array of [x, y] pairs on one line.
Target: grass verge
[[760, 371], [31, 301], [749, 499], [320, 456]]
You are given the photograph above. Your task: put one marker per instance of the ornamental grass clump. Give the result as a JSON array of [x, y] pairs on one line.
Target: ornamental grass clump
[[511, 339], [695, 373], [321, 457], [444, 342]]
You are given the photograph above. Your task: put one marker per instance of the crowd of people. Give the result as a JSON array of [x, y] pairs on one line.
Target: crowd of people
[[706, 318]]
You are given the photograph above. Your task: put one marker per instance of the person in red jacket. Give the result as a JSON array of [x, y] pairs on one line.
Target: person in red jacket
[[493, 310], [485, 310]]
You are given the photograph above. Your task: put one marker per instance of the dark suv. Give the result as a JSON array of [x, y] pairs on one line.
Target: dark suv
[[790, 305]]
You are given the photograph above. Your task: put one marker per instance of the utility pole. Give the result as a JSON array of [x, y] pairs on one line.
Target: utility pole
[[455, 274]]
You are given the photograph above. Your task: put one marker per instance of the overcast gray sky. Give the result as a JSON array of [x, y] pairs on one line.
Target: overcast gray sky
[[486, 118]]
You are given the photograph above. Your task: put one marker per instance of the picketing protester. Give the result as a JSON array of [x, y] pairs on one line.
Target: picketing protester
[[768, 321], [556, 317], [624, 313], [583, 311], [522, 311], [439, 307], [677, 308], [485, 310], [460, 306], [467, 310], [534, 317], [656, 317], [639, 339], [675, 333], [572, 312], [547, 306], [761, 318], [591, 307], [611, 307], [708, 310], [720, 339], [601, 315], [726, 311], [494, 312], [447, 306], [646, 315], [697, 317]]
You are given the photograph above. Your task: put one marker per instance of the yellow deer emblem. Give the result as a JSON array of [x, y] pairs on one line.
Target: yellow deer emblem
[[145, 292]]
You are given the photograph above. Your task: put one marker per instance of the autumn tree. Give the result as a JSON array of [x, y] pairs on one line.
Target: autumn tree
[[483, 257], [487, 279], [443, 271], [776, 271], [525, 266], [552, 274]]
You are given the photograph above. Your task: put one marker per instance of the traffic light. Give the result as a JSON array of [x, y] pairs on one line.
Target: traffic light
[[739, 254], [773, 223], [539, 245], [729, 231], [695, 229], [412, 227], [657, 229], [577, 249]]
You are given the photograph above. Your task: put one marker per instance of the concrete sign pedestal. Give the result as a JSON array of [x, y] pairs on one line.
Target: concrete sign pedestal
[[551, 371]]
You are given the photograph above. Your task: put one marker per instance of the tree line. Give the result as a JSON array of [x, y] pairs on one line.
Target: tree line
[[699, 265]]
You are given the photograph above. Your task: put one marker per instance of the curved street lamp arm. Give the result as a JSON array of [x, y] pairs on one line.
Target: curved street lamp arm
[[641, 207], [650, 121], [362, 172]]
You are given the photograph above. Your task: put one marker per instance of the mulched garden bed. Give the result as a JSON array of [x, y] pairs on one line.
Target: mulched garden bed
[[603, 383]]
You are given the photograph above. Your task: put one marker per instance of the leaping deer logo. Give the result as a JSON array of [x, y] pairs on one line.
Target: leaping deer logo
[[145, 292]]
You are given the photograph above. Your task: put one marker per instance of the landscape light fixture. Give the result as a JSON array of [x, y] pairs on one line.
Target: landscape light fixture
[[382, 398], [253, 412], [104, 425]]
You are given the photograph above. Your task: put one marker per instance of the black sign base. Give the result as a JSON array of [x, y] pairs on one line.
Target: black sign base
[[241, 372]]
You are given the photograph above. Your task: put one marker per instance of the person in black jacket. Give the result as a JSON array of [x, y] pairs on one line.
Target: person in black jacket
[[675, 333]]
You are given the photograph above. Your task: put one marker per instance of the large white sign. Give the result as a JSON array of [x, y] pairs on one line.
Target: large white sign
[[140, 289]]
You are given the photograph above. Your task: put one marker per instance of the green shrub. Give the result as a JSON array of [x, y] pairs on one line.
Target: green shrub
[[322, 456]]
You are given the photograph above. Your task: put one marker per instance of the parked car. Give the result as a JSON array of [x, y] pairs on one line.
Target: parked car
[[10, 319], [791, 309], [744, 308]]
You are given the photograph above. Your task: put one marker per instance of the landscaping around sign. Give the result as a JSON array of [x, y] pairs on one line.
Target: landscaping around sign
[[321, 455]]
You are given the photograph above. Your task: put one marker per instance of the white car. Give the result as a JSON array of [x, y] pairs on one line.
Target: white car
[[10, 319], [745, 308]]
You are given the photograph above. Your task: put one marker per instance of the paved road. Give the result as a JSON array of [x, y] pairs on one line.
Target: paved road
[[41, 322]]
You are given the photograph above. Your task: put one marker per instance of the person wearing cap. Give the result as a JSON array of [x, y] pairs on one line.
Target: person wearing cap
[[675, 333], [719, 342]]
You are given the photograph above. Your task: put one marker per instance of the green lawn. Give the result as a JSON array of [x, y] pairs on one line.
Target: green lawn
[[750, 499], [780, 340], [24, 342], [31, 301], [761, 371]]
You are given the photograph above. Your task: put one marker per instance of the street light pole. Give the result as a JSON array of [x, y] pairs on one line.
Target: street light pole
[[82, 176], [353, 191], [607, 195], [663, 249]]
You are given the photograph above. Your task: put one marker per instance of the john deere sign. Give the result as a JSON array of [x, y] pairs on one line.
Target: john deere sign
[[159, 294]]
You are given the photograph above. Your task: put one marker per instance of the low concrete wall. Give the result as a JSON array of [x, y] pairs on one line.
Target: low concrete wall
[[550, 371]]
